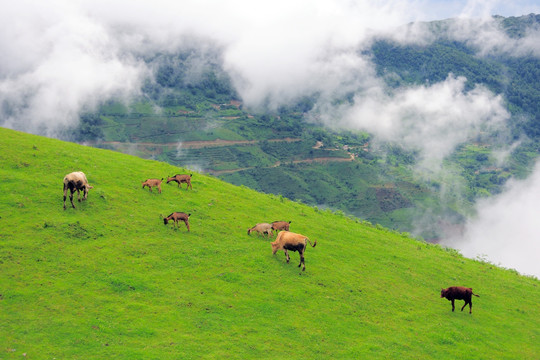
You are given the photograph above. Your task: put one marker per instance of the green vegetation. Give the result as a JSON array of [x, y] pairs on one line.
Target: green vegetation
[[108, 280]]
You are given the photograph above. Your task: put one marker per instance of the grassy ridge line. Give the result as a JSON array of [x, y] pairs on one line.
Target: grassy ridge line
[[109, 280]]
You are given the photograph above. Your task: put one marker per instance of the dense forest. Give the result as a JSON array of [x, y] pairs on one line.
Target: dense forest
[[191, 115]]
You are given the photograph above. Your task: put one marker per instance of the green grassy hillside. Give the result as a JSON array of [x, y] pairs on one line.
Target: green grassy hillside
[[108, 280]]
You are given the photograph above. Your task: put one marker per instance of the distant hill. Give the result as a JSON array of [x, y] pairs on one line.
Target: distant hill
[[338, 169], [109, 280]]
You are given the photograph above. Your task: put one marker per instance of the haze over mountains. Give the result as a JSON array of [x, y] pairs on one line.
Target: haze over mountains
[[273, 55], [58, 62]]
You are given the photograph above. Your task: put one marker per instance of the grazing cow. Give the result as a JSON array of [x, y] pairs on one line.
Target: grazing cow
[[459, 293], [287, 240], [280, 225], [262, 228], [76, 181], [151, 183], [181, 178], [177, 216]]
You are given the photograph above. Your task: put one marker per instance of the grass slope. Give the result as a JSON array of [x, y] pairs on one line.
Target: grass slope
[[109, 281]]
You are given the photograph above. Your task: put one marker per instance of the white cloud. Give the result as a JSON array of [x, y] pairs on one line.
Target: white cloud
[[507, 227], [60, 62], [433, 119], [486, 35], [59, 57]]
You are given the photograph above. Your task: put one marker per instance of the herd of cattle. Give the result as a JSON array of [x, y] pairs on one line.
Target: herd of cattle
[[285, 240]]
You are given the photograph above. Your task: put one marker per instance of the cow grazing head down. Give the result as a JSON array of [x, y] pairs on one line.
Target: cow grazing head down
[[152, 183], [287, 240], [181, 178], [459, 293], [280, 225], [176, 217], [261, 229], [76, 181]]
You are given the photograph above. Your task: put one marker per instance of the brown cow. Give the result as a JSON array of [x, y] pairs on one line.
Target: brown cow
[[181, 178], [76, 181], [459, 293], [151, 183], [280, 225], [177, 216], [287, 240]]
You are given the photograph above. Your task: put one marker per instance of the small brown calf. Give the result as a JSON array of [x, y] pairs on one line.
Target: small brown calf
[[262, 228], [181, 178], [459, 293], [151, 183], [280, 225], [177, 216]]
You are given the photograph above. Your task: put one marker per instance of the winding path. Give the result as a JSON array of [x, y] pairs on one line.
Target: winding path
[[191, 144], [222, 143]]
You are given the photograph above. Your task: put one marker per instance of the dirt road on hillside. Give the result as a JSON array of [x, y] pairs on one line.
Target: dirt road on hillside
[[220, 143], [190, 144], [321, 160]]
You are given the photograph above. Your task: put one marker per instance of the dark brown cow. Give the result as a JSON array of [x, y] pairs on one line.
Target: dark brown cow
[[459, 293], [181, 178], [177, 216]]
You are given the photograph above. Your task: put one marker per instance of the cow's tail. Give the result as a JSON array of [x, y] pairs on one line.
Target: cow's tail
[[314, 242], [474, 294]]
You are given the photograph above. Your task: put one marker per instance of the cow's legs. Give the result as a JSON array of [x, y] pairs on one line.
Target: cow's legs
[[71, 198], [187, 224], [287, 255], [470, 306], [65, 195], [302, 261], [453, 305]]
